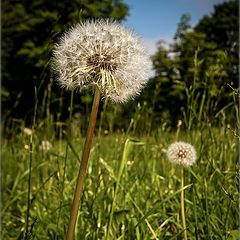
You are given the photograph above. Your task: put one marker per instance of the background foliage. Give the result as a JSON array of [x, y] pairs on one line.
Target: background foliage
[[147, 203], [29, 30], [204, 58], [210, 49]]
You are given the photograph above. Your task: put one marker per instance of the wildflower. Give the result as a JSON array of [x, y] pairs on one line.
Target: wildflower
[[27, 132], [105, 54], [181, 153], [45, 146], [179, 124], [26, 146], [106, 132], [130, 163]]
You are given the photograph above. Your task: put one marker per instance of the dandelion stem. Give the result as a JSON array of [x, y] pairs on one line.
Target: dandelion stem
[[83, 165], [182, 206]]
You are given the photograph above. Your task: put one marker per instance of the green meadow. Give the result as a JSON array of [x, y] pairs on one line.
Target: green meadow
[[129, 178]]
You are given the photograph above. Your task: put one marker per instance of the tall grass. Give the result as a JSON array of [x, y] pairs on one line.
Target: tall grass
[[130, 193]]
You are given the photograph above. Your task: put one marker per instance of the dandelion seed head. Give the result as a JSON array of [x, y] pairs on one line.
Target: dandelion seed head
[[26, 146], [181, 153], [27, 132], [102, 53], [179, 123], [45, 145]]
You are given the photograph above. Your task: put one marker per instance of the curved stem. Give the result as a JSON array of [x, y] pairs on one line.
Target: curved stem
[[83, 165]]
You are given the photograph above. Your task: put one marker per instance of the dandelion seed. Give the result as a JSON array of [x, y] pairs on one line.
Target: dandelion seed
[[26, 146], [181, 153], [130, 163], [45, 146], [106, 132], [27, 132], [105, 54], [179, 124]]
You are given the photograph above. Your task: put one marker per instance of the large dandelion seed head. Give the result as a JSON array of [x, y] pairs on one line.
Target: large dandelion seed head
[[102, 53], [181, 153]]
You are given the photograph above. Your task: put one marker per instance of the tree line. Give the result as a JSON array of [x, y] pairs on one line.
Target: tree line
[[200, 67]]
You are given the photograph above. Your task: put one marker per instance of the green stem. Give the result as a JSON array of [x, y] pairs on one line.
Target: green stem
[[83, 165], [64, 167], [182, 206], [101, 118], [122, 165], [29, 190], [30, 167]]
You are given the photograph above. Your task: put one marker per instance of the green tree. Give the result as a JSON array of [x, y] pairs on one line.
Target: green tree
[[222, 28], [183, 26], [165, 99], [29, 29], [194, 72]]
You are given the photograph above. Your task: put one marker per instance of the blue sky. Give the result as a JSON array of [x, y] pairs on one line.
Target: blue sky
[[157, 19]]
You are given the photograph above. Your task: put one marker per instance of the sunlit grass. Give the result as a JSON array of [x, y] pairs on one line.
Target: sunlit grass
[[131, 191]]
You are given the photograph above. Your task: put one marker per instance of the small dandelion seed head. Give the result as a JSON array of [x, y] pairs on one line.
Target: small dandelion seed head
[[102, 53], [179, 123], [45, 145], [27, 132], [26, 146], [181, 153]]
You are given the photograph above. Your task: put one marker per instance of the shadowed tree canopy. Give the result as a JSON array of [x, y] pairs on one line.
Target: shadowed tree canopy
[[222, 28], [29, 29]]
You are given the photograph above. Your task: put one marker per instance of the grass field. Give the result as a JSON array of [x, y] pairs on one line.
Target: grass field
[[60, 81], [129, 179]]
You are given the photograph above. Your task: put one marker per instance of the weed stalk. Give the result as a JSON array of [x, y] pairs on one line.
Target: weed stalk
[[64, 168], [27, 233]]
